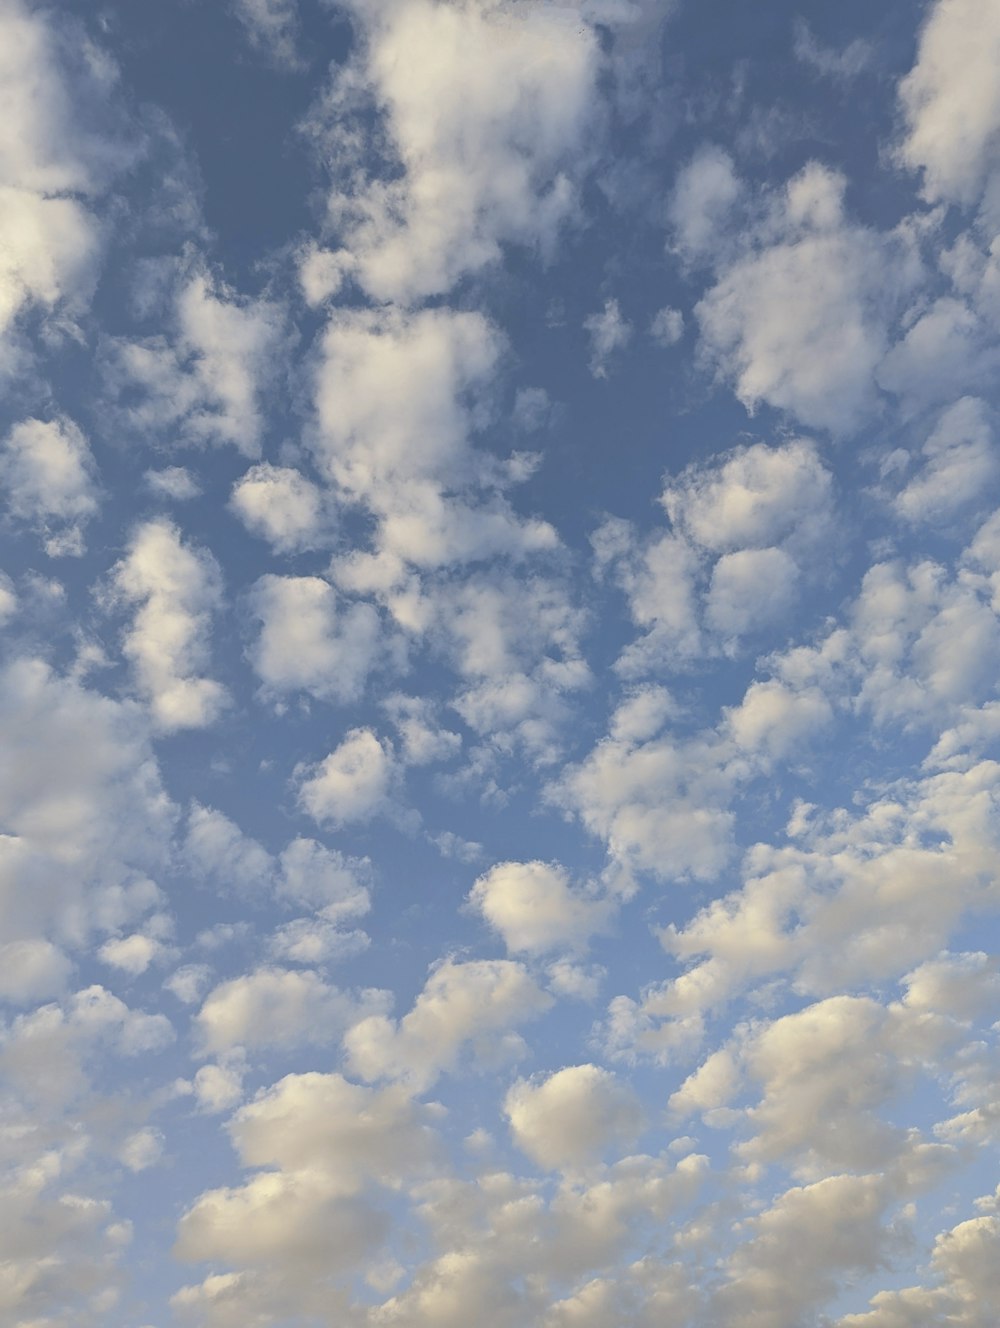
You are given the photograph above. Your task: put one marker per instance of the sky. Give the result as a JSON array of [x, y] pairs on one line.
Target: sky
[[499, 717]]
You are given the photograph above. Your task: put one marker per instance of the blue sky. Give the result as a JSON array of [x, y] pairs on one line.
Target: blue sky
[[501, 611]]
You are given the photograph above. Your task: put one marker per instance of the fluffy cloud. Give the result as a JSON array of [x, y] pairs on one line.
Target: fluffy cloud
[[85, 815], [308, 641], [755, 497], [282, 506], [48, 473], [951, 102], [751, 589], [966, 1295], [403, 451], [802, 1245], [275, 1007], [202, 384], [826, 909], [535, 909], [746, 531], [330, 1147], [703, 197], [487, 119], [960, 465], [174, 482], [571, 1117], [60, 146], [479, 1003], [799, 319], [32, 969], [609, 333], [354, 783], [176, 589]]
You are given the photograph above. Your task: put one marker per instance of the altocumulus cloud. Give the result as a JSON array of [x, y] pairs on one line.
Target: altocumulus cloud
[[500, 606]]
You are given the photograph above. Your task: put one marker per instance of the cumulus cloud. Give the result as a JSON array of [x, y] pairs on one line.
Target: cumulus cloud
[[32, 969], [403, 452], [310, 641], [86, 818], [783, 330], [49, 475], [274, 1007], [176, 589], [960, 465], [487, 119], [746, 531], [354, 783], [667, 326], [951, 103], [754, 497], [202, 384], [572, 1117], [61, 145], [609, 333], [175, 482], [703, 197], [282, 506], [535, 909], [750, 589], [478, 1003]]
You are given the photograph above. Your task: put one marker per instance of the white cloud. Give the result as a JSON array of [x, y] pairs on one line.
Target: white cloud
[[218, 850], [754, 497], [282, 506], [751, 589], [188, 982], [480, 1002], [60, 145], [609, 333], [535, 909], [309, 641], [706, 191], [515, 642], [488, 119], [966, 1295], [423, 739], [48, 473], [132, 954], [802, 1246], [30, 970], [948, 350], [667, 326], [142, 1150], [173, 482], [8, 598], [960, 466], [799, 315], [218, 1087], [951, 102], [177, 588], [767, 510], [276, 1007], [572, 1117], [316, 941], [84, 813], [661, 806], [329, 1149], [354, 783], [201, 385], [399, 397]]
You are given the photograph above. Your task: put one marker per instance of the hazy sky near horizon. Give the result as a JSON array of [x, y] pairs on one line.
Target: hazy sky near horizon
[[499, 713]]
